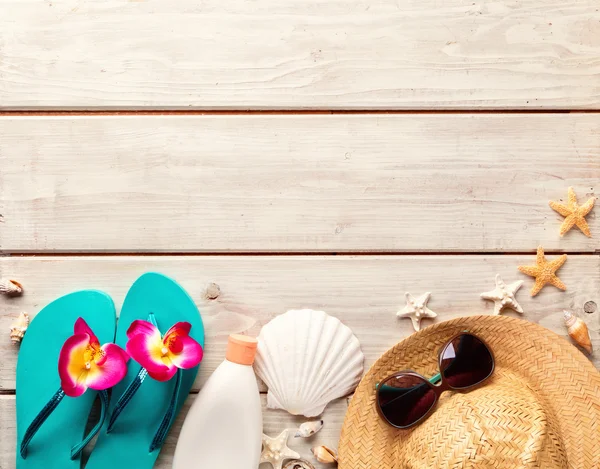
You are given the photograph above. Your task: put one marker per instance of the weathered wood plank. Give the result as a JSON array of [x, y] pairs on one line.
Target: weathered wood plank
[[274, 422], [363, 291], [327, 183], [337, 54]]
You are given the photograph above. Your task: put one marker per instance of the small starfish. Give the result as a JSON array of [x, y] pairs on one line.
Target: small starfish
[[574, 213], [275, 450], [544, 271], [503, 295], [416, 309]]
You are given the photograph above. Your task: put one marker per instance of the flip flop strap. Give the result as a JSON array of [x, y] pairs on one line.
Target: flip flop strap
[[47, 410], [126, 397], [168, 418], [134, 386]]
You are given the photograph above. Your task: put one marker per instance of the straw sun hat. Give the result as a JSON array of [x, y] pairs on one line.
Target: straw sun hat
[[540, 408]]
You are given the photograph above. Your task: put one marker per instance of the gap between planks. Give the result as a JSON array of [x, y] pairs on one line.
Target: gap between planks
[[287, 253], [246, 112]]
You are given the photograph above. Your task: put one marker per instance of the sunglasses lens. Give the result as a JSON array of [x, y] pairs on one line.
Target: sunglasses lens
[[466, 361], [405, 399]]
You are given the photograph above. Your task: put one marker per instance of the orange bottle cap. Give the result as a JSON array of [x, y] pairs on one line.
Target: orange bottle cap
[[241, 349]]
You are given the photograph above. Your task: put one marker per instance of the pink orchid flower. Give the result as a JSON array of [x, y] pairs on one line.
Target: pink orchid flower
[[162, 356], [84, 364]]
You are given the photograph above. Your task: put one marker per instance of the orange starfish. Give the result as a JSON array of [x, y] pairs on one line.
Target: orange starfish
[[544, 271], [574, 213]]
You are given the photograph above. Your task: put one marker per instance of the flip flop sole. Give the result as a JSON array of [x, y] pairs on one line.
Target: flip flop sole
[[38, 379], [127, 445]]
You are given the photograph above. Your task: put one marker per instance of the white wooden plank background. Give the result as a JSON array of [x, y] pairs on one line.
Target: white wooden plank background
[[431, 201], [365, 292], [326, 183], [334, 54]]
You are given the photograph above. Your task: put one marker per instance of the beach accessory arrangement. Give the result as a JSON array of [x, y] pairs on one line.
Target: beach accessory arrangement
[[307, 359], [539, 409]]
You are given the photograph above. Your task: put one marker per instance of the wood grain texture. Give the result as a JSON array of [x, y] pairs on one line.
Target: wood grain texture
[[365, 292], [313, 183], [274, 422], [334, 54]]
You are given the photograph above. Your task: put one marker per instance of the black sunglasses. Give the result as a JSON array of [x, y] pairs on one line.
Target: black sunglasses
[[405, 398]]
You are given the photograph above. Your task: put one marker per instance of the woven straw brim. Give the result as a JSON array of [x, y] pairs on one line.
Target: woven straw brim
[[541, 408]]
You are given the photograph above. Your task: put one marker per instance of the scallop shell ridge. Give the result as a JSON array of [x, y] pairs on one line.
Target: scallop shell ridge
[[307, 359]]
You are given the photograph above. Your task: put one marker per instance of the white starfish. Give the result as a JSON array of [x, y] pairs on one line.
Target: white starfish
[[275, 450], [503, 295], [416, 309]]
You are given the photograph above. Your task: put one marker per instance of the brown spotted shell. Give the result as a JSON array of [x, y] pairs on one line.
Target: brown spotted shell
[[10, 287], [578, 331]]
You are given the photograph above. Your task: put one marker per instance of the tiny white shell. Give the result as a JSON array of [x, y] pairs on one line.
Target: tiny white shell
[[18, 328], [308, 429], [307, 359], [324, 454], [10, 287]]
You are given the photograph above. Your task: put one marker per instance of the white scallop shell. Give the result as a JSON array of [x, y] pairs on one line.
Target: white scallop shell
[[307, 359]]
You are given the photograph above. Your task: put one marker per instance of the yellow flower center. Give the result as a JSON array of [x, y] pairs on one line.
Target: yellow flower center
[[91, 355]]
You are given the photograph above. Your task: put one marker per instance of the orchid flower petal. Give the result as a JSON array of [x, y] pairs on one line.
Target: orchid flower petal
[[180, 328], [162, 356], [81, 327], [71, 364], [141, 327], [147, 351], [184, 351], [164, 375], [109, 369], [190, 353]]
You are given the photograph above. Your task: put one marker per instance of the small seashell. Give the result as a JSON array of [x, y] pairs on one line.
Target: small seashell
[[18, 328], [308, 429], [324, 454], [298, 464], [10, 287], [578, 331]]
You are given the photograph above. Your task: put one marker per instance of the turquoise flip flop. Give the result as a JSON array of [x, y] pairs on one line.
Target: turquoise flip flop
[[50, 424], [142, 409]]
